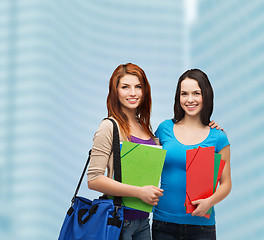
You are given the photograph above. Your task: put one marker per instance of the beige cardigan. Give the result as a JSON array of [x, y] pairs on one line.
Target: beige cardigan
[[102, 155]]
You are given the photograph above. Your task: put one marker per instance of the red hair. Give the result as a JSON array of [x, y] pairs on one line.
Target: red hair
[[114, 106]]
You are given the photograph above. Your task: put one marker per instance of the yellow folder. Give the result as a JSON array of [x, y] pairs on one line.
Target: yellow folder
[[141, 165]]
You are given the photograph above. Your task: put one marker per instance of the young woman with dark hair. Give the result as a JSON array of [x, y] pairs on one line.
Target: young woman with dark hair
[[207, 95], [129, 104], [187, 130]]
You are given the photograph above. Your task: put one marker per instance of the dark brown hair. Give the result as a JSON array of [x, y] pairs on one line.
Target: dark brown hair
[[207, 94]]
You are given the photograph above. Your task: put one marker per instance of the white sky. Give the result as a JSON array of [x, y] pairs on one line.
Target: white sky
[[191, 10]]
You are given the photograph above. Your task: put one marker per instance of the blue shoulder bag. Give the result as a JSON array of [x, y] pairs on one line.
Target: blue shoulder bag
[[99, 219]]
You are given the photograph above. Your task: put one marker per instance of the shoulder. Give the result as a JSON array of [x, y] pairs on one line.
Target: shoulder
[[221, 138], [165, 124], [164, 128], [219, 133], [105, 130], [106, 125]]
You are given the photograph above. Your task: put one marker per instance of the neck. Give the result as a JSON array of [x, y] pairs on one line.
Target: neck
[[131, 114], [192, 122]]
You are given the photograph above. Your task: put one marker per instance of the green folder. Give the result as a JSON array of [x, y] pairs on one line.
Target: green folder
[[217, 160], [141, 165]]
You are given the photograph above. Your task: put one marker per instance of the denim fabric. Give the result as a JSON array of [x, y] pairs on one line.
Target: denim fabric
[[138, 229], [174, 231]]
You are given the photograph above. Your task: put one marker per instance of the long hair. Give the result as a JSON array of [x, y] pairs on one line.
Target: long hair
[[207, 95], [114, 106]]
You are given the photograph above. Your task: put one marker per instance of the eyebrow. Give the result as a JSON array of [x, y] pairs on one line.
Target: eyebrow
[[197, 90], [130, 84]]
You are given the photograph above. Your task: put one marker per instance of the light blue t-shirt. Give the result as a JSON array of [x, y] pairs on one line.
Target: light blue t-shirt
[[170, 207]]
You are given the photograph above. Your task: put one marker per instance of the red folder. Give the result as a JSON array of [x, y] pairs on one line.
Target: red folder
[[199, 175]]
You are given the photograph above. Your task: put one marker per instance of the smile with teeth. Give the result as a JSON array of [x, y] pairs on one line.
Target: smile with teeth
[[132, 100], [191, 106]]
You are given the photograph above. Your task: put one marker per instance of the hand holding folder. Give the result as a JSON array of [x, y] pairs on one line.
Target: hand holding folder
[[141, 165], [203, 171]]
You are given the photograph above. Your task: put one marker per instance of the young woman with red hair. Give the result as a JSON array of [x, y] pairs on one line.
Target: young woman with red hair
[[129, 104]]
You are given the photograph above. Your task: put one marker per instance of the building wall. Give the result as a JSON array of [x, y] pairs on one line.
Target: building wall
[[227, 43], [56, 58]]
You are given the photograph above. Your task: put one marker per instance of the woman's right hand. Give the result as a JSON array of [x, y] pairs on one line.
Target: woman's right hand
[[150, 194]]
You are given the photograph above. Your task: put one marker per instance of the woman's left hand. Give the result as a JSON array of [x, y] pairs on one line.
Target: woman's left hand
[[213, 124], [202, 207]]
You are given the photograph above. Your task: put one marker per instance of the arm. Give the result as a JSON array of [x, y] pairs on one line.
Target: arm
[[148, 194], [102, 158], [203, 205]]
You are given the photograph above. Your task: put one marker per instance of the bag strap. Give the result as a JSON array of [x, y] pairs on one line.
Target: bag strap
[[117, 159], [116, 152], [81, 178], [117, 163]]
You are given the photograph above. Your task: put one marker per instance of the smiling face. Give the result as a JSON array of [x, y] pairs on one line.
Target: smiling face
[[129, 92], [191, 99]]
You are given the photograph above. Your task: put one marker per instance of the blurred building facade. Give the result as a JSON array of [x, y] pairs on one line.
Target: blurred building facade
[[227, 43], [56, 58]]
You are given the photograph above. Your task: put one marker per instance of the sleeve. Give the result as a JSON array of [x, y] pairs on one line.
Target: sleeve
[[222, 141], [158, 132], [101, 151]]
